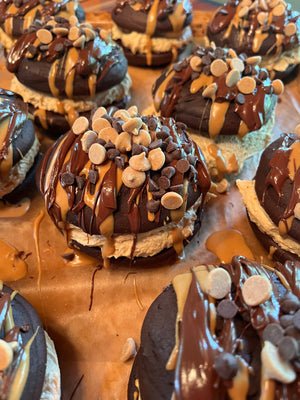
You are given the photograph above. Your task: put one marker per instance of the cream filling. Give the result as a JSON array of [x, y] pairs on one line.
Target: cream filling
[[50, 103], [6, 41], [139, 42], [147, 244], [51, 387], [19, 171], [261, 219], [282, 61]]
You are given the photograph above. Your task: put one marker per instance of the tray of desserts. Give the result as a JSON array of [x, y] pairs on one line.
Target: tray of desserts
[[128, 200]]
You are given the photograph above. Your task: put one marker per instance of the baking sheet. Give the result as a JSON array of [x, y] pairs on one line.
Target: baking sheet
[[89, 342]]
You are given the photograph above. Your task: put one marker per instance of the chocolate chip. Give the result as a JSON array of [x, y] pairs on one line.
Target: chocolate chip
[[176, 188], [182, 166], [240, 99], [109, 145], [192, 172], [263, 74], [108, 118], [165, 129], [68, 43], [268, 89], [293, 332], [162, 135], [32, 49], [152, 186], [226, 366], [192, 159], [120, 162], [18, 3], [117, 125], [145, 118], [59, 47], [286, 320], [181, 125], [169, 172], [172, 146], [164, 182], [227, 309], [152, 124], [93, 176], [288, 348], [136, 149], [206, 70], [296, 365], [156, 144], [195, 75], [289, 303], [297, 320], [157, 195], [43, 47], [67, 179], [112, 154], [177, 67], [153, 206], [187, 147], [273, 333], [219, 52], [80, 180], [247, 70], [101, 141], [206, 60]]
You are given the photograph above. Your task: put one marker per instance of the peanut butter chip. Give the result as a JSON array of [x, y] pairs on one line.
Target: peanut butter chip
[[218, 67], [143, 138], [256, 290], [262, 17], [140, 162], [274, 366], [156, 158], [123, 114], [108, 134], [6, 355], [133, 125], [132, 178], [73, 33], [171, 200], [133, 111], [246, 85], [210, 90], [73, 20], [80, 42], [263, 5], [97, 153], [278, 86], [278, 10], [273, 3], [44, 36], [89, 34], [233, 77], [290, 29], [60, 31], [243, 12], [297, 131], [88, 139], [80, 125], [218, 283], [99, 113], [128, 350], [297, 211], [123, 142], [100, 123], [195, 63], [236, 63], [255, 60], [232, 53]]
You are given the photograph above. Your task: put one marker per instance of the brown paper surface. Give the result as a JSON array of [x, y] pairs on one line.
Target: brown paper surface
[[89, 343]]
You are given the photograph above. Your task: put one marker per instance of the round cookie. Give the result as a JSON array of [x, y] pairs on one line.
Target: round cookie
[[17, 16], [270, 29], [136, 186], [227, 102], [65, 70], [272, 199], [19, 149], [185, 327], [152, 34]]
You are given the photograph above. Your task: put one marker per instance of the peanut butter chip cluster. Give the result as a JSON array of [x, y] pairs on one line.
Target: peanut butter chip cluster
[[148, 150]]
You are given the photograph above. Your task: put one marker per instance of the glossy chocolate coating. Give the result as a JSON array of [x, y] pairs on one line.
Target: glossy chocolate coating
[[173, 96], [25, 316], [129, 18], [227, 29], [198, 348]]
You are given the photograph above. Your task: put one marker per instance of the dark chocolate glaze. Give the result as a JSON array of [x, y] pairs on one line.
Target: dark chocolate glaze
[[278, 194], [104, 60], [20, 16], [195, 376], [173, 97], [241, 37], [27, 323], [130, 19], [129, 217]]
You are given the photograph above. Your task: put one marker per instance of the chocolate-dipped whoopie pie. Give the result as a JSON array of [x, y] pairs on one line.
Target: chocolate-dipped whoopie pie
[[19, 150], [125, 187], [272, 198], [152, 32], [28, 363], [266, 28], [16, 16], [222, 333], [64, 69], [227, 102]]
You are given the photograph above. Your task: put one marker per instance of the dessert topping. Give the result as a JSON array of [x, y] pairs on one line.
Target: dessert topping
[[274, 365], [80, 125], [218, 67], [132, 178], [100, 123], [256, 290], [277, 86], [140, 162], [218, 283], [246, 85], [226, 366], [97, 153], [171, 200], [44, 36]]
